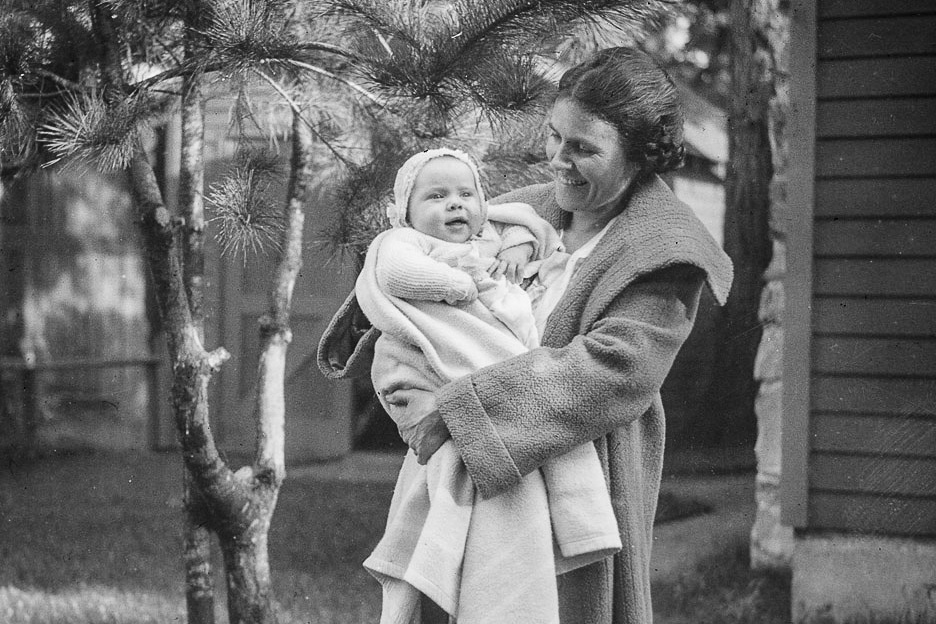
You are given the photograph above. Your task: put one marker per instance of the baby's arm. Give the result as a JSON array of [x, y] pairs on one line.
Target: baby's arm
[[525, 236], [404, 269], [511, 261]]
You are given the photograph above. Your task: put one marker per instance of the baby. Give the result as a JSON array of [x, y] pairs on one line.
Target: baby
[[435, 285]]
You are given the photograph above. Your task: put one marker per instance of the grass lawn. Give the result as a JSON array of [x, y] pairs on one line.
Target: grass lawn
[[722, 589], [94, 539]]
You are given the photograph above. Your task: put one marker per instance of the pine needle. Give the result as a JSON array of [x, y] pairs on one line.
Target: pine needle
[[246, 214], [17, 128], [247, 33], [87, 128], [452, 56]]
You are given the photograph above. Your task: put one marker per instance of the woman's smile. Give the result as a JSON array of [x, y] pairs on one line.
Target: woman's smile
[[588, 161]]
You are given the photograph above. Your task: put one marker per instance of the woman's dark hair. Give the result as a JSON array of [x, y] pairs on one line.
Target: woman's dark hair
[[628, 89]]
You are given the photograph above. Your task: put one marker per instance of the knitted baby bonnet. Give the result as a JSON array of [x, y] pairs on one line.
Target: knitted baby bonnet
[[406, 178]]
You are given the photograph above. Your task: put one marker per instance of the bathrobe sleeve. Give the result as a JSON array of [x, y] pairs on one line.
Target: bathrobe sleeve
[[509, 418]]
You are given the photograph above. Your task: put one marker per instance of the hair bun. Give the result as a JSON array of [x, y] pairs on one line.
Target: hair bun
[[664, 155]]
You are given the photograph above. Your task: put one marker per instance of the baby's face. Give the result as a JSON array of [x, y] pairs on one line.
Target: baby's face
[[444, 202]]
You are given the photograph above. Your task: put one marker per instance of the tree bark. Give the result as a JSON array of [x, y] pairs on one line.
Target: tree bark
[[747, 213], [196, 534]]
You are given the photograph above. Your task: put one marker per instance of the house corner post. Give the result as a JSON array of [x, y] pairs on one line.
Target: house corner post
[[772, 540]]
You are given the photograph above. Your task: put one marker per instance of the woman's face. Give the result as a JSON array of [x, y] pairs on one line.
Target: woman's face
[[587, 159]]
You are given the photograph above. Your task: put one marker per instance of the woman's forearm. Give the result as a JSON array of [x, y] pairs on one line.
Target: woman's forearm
[[510, 418]]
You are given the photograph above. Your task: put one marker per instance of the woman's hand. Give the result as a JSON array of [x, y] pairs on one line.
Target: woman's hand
[[511, 262], [428, 436], [417, 417]]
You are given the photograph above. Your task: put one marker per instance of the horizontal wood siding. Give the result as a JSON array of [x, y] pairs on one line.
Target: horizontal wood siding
[[830, 9], [872, 459], [902, 436], [877, 238], [870, 277], [863, 316], [895, 198], [860, 355], [876, 36], [874, 474], [888, 515], [876, 157], [879, 396], [914, 116], [880, 77]]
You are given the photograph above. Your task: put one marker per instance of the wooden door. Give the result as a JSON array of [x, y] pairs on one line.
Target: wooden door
[[318, 411]]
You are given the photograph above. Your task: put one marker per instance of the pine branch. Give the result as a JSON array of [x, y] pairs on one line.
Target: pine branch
[[87, 128], [471, 52], [245, 213], [248, 33]]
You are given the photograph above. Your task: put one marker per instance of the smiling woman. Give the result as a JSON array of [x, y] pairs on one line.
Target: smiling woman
[[591, 169], [612, 309]]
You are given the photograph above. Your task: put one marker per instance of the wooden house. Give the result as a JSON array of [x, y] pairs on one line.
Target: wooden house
[[858, 423]]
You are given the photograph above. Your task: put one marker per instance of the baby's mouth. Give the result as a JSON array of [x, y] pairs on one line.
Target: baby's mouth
[[457, 221]]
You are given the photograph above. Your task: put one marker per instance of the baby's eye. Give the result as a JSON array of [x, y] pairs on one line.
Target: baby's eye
[[467, 194], [435, 196]]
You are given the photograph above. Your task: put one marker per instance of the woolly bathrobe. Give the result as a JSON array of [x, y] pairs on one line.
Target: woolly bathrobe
[[607, 348], [482, 560]]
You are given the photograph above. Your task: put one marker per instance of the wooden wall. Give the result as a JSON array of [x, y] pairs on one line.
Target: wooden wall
[[872, 422]]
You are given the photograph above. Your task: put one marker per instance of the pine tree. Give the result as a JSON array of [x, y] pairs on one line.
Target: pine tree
[[83, 81]]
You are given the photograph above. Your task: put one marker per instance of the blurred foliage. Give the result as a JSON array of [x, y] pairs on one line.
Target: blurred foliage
[[694, 48]]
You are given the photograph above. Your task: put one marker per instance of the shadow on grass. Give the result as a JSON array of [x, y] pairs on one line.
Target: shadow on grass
[[94, 538], [724, 590]]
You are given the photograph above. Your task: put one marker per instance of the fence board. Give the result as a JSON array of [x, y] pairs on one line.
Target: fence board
[[888, 197], [890, 515], [888, 317], [873, 396], [878, 36], [890, 435], [880, 77], [871, 277], [876, 157]]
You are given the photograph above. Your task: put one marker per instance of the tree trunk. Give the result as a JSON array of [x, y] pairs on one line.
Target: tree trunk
[[246, 562], [196, 534], [747, 212]]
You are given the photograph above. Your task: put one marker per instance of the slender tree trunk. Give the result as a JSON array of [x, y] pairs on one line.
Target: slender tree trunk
[[747, 212], [196, 532], [245, 549], [250, 595]]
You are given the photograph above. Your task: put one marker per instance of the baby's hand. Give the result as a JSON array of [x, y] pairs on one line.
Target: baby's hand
[[511, 262], [469, 294]]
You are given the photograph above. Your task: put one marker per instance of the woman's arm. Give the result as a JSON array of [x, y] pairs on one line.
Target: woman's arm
[[509, 418]]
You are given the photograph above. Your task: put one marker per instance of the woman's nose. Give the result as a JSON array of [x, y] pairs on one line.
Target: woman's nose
[[559, 159]]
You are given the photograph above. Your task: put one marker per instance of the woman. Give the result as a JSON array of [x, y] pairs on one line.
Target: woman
[[613, 318]]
